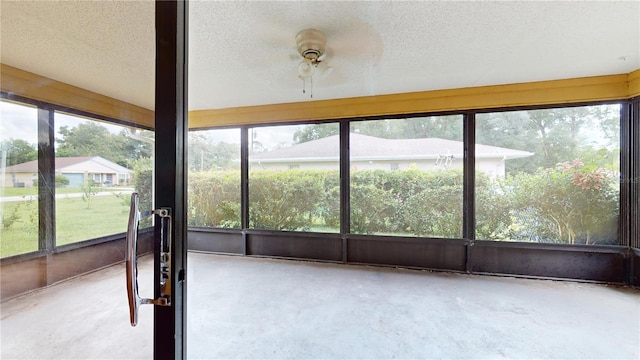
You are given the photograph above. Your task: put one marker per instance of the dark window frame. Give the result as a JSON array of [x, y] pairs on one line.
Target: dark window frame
[[46, 175], [627, 112], [629, 217]]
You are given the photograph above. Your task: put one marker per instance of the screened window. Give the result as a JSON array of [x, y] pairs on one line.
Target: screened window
[[294, 181], [406, 176], [98, 165], [549, 176], [214, 178], [18, 179]]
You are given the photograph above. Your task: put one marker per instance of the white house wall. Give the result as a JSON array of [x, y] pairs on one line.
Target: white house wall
[[97, 171], [12, 179], [492, 167], [326, 165]]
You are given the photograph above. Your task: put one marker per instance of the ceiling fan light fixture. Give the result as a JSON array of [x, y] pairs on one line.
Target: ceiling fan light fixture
[[306, 68], [311, 44]]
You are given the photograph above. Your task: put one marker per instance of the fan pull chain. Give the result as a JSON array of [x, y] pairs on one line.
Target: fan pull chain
[[304, 85]]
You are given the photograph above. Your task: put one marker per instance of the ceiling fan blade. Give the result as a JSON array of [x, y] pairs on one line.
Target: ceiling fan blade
[[326, 72], [327, 56], [357, 40]]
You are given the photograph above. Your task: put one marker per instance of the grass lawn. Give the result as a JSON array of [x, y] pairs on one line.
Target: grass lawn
[[19, 233], [74, 222], [13, 191]]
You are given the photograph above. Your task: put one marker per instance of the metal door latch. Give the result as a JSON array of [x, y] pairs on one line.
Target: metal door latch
[[131, 258]]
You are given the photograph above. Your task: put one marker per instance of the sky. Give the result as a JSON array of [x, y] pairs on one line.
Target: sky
[[18, 122], [271, 137], [21, 122]]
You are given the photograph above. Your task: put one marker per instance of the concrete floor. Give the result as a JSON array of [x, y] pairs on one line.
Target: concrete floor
[[266, 308]]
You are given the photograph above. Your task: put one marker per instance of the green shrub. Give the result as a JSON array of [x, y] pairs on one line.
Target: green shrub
[[143, 184], [61, 181], [214, 199], [407, 202], [10, 218], [572, 203], [372, 209], [287, 199], [493, 208]]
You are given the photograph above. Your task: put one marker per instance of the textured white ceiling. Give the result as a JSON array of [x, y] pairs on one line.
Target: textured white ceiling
[[243, 53], [104, 46]]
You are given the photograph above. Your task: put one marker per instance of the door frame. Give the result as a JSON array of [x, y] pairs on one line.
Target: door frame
[[171, 131]]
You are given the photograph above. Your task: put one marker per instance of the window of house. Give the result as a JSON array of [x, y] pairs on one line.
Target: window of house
[[283, 197], [88, 153], [425, 199], [214, 178], [549, 176], [18, 179]]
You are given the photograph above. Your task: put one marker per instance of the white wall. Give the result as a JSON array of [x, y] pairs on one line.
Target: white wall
[[493, 167], [11, 178]]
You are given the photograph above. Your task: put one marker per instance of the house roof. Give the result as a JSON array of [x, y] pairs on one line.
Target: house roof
[[77, 164], [364, 147]]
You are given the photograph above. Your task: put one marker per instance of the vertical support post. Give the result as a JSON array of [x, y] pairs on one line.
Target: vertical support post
[[633, 119], [468, 207], [46, 189], [46, 181], [345, 187], [244, 185], [171, 169], [630, 187], [626, 129]]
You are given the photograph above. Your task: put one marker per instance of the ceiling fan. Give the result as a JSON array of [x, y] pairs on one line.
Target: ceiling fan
[[312, 47]]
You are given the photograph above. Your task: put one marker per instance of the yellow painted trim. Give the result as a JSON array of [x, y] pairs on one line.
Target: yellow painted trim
[[634, 84], [597, 88], [36, 87]]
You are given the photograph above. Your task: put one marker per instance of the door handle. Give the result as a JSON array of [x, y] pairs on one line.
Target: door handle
[[131, 258]]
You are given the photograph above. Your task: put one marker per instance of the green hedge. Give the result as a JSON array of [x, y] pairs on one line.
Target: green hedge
[[293, 199], [411, 202], [572, 203], [214, 199], [143, 184]]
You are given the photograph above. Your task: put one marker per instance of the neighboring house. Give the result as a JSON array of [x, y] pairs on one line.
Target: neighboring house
[[368, 152], [78, 170]]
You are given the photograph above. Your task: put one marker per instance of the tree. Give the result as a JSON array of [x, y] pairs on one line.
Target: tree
[[387, 128], [225, 154], [92, 139], [86, 139], [445, 127], [89, 191], [203, 156], [314, 132], [553, 135], [19, 151]]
